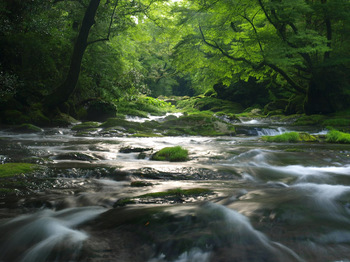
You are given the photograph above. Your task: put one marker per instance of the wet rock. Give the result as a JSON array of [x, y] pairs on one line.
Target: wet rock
[[140, 184], [129, 149], [27, 128], [75, 156]]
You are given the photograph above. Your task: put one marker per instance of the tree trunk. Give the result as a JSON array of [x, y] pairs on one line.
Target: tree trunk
[[62, 93]]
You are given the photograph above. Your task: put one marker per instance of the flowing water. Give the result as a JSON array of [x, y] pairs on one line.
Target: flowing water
[[269, 201]]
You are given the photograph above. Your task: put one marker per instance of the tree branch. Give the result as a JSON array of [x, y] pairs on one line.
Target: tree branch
[[109, 28], [216, 46]]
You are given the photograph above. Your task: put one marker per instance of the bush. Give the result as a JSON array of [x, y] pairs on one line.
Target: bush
[[173, 154]]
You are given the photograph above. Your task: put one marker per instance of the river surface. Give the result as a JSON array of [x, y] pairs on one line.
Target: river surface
[[268, 201]]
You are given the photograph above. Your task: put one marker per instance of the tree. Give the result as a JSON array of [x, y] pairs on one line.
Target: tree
[[290, 43], [119, 11]]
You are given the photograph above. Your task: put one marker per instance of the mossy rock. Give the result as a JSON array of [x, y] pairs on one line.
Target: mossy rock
[[38, 118], [311, 120], [204, 124], [172, 154], [279, 104], [12, 169], [63, 120], [27, 128], [86, 125], [306, 137], [290, 137]]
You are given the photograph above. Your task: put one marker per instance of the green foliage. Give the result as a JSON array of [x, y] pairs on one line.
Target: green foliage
[[173, 154], [335, 136], [12, 169], [203, 103], [144, 105]]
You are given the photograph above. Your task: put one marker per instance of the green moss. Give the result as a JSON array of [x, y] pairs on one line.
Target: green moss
[[306, 137], [291, 137], [173, 154], [203, 123], [85, 125], [286, 137], [27, 128], [310, 120], [145, 135], [63, 120], [203, 103], [37, 117], [336, 122], [12, 169], [335, 136]]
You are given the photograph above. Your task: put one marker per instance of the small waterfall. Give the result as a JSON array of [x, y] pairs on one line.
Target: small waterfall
[[271, 131], [46, 235]]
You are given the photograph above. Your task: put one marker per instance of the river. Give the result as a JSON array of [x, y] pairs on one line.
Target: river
[[268, 201]]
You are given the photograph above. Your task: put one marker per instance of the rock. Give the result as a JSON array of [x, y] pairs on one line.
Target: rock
[[27, 128], [75, 156], [134, 149]]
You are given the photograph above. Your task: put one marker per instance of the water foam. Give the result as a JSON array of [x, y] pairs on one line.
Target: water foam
[[44, 232]]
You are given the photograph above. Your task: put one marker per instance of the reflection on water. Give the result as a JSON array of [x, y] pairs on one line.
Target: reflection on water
[[269, 203]]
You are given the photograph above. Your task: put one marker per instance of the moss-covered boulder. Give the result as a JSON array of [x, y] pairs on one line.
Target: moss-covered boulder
[[172, 154], [204, 124], [27, 128], [63, 120], [86, 125]]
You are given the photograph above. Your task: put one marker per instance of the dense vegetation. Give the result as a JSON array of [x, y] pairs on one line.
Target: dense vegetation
[[90, 59]]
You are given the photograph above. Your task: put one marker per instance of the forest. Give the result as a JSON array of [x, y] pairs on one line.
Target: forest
[[174, 130], [277, 56]]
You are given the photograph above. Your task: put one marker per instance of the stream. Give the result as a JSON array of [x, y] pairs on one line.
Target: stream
[[267, 201]]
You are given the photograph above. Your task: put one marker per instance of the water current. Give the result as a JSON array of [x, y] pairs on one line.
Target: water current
[[268, 201]]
